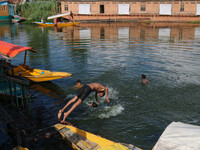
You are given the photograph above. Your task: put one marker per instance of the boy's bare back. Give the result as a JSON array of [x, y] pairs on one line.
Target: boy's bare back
[[96, 87]]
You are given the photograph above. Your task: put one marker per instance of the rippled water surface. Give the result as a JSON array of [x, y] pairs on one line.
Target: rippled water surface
[[116, 55]]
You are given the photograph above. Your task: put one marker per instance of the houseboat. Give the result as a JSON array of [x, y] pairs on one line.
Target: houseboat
[[6, 11], [118, 10]]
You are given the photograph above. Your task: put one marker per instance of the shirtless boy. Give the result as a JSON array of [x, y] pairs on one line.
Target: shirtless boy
[[144, 80], [78, 85], [81, 95]]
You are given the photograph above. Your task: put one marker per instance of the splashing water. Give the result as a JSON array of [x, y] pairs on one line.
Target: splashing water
[[113, 94], [70, 96], [111, 111]]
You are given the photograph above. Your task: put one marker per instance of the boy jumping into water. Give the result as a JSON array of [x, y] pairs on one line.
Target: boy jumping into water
[[81, 95]]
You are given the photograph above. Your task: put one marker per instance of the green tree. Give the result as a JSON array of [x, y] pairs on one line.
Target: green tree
[[34, 11]]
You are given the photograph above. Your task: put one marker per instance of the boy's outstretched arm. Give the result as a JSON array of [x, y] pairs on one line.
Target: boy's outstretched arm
[[96, 97], [106, 89]]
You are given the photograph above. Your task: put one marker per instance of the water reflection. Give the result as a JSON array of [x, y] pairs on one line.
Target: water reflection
[[151, 45], [49, 88], [7, 30], [103, 30], [116, 55], [42, 45]]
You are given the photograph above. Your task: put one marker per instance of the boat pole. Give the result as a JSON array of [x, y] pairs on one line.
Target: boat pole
[[25, 58]]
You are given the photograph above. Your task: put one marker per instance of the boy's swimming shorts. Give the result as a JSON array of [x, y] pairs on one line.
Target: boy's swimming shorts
[[84, 92]]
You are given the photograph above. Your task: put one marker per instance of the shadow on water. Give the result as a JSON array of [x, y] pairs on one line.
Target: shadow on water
[[48, 88], [116, 55]]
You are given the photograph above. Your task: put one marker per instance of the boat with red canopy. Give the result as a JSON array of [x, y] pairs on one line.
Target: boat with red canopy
[[9, 51]]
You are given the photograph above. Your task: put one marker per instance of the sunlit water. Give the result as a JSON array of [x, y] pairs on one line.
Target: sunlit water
[[116, 55]]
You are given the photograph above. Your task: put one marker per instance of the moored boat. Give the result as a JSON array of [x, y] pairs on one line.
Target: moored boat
[[17, 19], [9, 51], [59, 21], [82, 140], [59, 24], [39, 75]]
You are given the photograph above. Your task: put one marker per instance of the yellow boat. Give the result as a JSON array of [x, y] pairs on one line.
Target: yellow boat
[[20, 148], [59, 21], [60, 24], [82, 140], [9, 51], [38, 75]]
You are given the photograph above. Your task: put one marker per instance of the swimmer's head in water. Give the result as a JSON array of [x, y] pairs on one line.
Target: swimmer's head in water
[[78, 83], [143, 76], [101, 93], [93, 105]]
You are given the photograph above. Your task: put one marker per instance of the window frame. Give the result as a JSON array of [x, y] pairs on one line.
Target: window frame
[[182, 7], [102, 9], [3, 8], [66, 7], [143, 7]]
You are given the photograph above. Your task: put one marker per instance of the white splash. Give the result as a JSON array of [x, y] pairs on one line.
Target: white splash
[[70, 96], [111, 111], [112, 93]]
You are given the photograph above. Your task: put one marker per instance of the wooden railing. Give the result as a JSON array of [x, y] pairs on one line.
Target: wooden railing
[[13, 89]]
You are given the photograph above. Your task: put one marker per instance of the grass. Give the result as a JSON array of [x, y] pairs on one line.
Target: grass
[[195, 22]]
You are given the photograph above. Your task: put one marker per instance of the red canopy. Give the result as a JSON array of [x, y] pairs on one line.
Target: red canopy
[[11, 50]]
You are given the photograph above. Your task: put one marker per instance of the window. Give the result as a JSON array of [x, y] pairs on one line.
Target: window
[[101, 9], [143, 7], [84, 9], [165, 9], [123, 9], [66, 7], [182, 7], [3, 8]]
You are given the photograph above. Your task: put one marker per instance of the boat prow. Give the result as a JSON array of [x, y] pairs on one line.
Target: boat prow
[[82, 140]]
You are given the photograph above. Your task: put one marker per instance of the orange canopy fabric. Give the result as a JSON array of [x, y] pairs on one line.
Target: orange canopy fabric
[[11, 50]]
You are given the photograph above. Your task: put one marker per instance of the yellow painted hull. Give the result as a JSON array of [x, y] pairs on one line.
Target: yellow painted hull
[[20, 148], [82, 140], [59, 24], [38, 75]]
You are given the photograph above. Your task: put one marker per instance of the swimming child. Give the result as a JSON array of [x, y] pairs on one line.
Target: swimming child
[[144, 80], [93, 104], [78, 85]]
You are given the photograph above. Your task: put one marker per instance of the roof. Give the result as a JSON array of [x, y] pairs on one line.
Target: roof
[[10, 50], [14, 1], [179, 136], [57, 16], [123, 0]]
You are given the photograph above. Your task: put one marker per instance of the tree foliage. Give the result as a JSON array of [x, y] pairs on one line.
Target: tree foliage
[[36, 10]]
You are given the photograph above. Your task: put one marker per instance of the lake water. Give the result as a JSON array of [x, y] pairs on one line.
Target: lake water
[[116, 55]]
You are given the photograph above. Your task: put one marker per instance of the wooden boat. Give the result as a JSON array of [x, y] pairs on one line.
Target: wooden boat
[[59, 21], [82, 140], [59, 24], [20, 148], [17, 19], [38, 75], [9, 51]]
